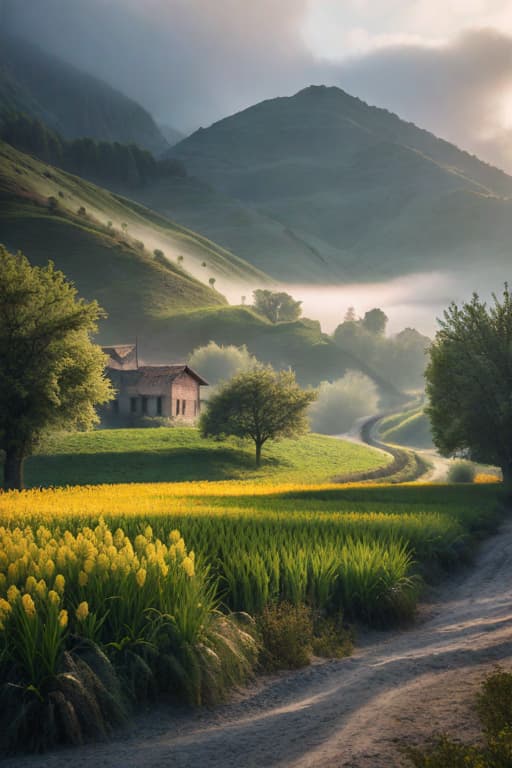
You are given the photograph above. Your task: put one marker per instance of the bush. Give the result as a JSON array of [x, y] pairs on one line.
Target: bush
[[494, 707], [341, 402], [220, 363], [331, 638], [461, 472], [287, 636], [494, 702]]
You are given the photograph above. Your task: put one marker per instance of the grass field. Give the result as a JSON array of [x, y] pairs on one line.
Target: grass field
[[179, 454], [409, 428]]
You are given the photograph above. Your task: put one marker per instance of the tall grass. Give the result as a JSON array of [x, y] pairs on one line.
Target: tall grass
[[356, 549], [142, 599]]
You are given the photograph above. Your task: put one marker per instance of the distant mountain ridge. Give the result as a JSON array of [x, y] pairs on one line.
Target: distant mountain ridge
[[377, 196], [70, 101]]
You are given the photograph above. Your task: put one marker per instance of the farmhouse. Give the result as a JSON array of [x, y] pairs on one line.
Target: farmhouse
[[169, 391]]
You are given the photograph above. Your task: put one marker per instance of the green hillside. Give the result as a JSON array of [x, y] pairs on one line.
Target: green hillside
[[375, 196], [169, 310], [410, 428], [69, 100], [39, 215], [179, 454]]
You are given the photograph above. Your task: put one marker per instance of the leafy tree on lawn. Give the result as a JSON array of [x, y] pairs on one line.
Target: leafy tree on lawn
[[260, 404], [51, 374], [469, 382], [277, 307]]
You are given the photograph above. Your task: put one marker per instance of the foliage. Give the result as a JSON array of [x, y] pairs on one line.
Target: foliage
[[399, 359], [494, 707], [51, 375], [260, 404], [375, 321], [332, 639], [469, 379], [144, 600], [494, 702], [125, 165], [461, 472], [341, 402], [287, 636], [220, 362], [276, 307]]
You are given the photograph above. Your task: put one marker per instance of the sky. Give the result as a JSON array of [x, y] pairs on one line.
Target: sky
[[444, 64]]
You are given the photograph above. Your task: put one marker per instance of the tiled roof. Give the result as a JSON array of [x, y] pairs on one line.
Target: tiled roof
[[169, 372], [122, 356]]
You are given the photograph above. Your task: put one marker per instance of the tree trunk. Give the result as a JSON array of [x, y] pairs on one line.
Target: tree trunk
[[258, 453], [13, 470]]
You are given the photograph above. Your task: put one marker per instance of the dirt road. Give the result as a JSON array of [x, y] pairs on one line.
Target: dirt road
[[399, 686]]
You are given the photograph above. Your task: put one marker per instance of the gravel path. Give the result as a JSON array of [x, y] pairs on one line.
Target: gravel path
[[399, 686]]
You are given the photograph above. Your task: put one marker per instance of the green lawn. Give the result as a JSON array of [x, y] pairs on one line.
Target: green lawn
[[179, 453]]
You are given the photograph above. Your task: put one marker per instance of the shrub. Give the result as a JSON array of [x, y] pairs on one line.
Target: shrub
[[494, 702], [494, 707], [220, 363], [331, 638], [341, 402], [287, 636], [461, 472]]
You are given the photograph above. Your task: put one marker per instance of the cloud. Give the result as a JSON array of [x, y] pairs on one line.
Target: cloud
[[461, 90], [191, 62]]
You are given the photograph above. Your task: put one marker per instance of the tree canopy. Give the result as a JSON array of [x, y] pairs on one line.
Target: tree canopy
[[277, 306], [469, 382], [260, 404], [220, 363], [51, 374], [341, 402], [375, 321]]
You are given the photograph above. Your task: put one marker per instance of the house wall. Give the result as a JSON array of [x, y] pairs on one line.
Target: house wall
[[185, 389]]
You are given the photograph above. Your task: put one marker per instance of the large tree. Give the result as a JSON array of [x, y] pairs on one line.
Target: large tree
[[277, 306], [260, 404], [51, 374], [469, 382]]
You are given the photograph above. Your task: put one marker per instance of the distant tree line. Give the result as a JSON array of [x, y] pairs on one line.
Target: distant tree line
[[124, 165], [399, 359]]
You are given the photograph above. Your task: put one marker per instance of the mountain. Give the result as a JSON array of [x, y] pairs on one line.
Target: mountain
[[171, 135], [70, 101], [371, 195]]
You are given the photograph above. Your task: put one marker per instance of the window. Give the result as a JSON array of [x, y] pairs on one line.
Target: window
[[115, 406], [159, 406], [144, 405], [133, 405], [183, 407], [177, 407]]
